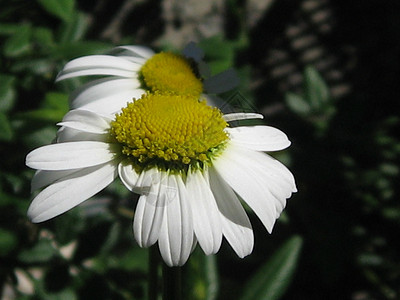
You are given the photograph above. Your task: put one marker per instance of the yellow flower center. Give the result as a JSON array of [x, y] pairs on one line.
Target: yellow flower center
[[172, 73], [171, 132]]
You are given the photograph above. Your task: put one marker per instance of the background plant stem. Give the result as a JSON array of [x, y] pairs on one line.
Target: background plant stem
[[172, 283]]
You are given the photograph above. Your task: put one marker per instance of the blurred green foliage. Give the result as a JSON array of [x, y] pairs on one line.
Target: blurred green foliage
[[336, 240]]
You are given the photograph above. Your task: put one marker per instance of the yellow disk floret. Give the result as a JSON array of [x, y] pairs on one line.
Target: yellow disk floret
[[172, 73], [169, 131]]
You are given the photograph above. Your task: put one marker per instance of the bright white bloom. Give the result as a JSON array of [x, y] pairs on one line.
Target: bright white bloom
[[190, 168], [130, 71]]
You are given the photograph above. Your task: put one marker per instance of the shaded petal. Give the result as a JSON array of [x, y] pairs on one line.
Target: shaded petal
[[66, 134], [114, 103], [241, 116], [150, 210], [137, 51], [146, 180], [176, 235], [206, 220], [260, 138], [263, 183], [98, 65], [221, 82], [87, 121], [104, 88], [127, 174], [66, 156], [236, 225], [192, 51], [43, 178], [71, 191]]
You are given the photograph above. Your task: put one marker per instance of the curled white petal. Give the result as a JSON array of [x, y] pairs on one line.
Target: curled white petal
[[128, 175], [87, 121], [70, 191], [241, 116]]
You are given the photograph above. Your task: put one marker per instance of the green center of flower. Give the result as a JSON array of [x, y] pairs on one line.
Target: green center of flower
[[172, 73], [171, 132]]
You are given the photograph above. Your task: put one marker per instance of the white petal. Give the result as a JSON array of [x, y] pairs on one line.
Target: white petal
[[66, 156], [104, 88], [43, 178], [138, 51], [146, 180], [127, 174], [113, 104], [71, 191], [176, 235], [241, 116], [84, 120], [99, 65], [236, 225], [260, 138], [66, 134], [221, 82], [249, 173], [206, 220], [150, 210]]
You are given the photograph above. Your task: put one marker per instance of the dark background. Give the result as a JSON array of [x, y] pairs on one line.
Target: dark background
[[344, 153]]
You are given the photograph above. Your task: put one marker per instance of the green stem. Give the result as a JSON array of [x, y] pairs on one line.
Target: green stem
[[153, 280], [172, 283]]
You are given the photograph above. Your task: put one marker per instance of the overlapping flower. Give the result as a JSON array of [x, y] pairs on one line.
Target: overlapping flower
[[129, 71], [189, 166]]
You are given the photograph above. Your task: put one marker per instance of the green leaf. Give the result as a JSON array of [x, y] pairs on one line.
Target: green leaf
[[297, 104], [19, 43], [43, 37], [40, 66], [75, 29], [273, 278], [7, 92], [6, 132], [316, 90], [62, 9], [57, 101]]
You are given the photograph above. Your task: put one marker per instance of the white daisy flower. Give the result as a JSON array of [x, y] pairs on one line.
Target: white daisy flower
[[191, 169], [132, 70]]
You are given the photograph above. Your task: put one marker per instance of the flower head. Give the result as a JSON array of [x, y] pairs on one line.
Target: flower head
[[131, 71], [189, 167]]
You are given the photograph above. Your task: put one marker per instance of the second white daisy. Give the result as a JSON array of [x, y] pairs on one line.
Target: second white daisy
[[130, 71]]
